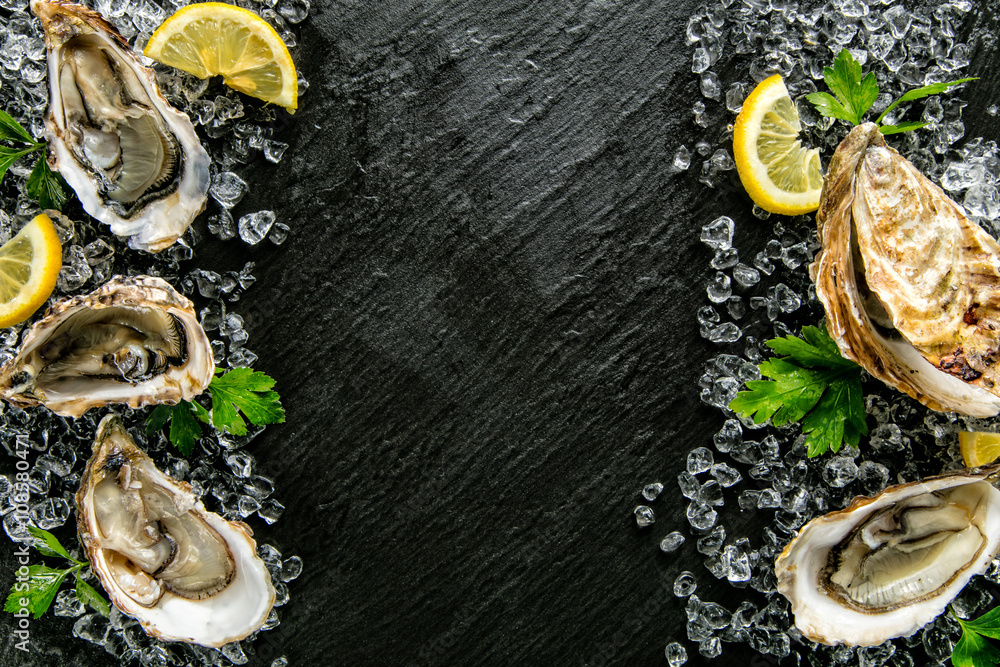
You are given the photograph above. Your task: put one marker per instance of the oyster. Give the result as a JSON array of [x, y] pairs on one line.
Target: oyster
[[911, 287], [886, 566], [134, 340], [184, 573], [133, 160]]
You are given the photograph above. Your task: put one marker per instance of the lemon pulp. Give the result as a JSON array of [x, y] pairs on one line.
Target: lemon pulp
[[29, 266], [213, 38], [979, 448], [777, 171]]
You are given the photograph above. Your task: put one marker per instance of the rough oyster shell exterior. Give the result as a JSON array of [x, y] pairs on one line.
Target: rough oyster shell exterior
[[93, 143], [910, 285], [822, 615], [225, 616], [182, 381]]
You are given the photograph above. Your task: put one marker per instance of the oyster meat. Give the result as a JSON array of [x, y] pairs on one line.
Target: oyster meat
[[886, 566], [184, 573], [133, 160], [910, 285], [134, 340]]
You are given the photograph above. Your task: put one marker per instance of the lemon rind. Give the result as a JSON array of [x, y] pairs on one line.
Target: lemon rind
[[44, 270], [288, 98], [747, 130]]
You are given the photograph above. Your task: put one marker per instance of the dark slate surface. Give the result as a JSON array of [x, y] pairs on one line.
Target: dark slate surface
[[483, 329]]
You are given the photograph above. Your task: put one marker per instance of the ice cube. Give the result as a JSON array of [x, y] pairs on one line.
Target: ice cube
[[711, 647], [729, 435], [711, 543], [682, 159], [67, 604], [644, 516], [676, 654], [651, 491], [671, 542], [688, 484], [725, 474], [746, 276], [711, 493], [291, 568], [253, 227], [699, 460], [50, 513], [293, 11], [227, 188], [701, 516], [840, 471], [724, 333], [718, 234]]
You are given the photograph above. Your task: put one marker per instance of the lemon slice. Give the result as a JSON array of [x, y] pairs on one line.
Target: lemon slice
[[213, 38], [978, 447], [29, 266], [777, 171]]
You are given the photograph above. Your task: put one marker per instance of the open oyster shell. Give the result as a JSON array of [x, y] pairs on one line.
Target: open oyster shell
[[184, 573], [133, 160], [911, 286], [886, 566], [134, 340]]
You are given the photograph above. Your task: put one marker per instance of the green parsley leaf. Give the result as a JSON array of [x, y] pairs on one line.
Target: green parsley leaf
[[829, 106], [918, 93], [820, 339], [792, 392], [988, 624], [856, 93], [249, 392], [838, 417], [901, 127], [200, 413], [9, 156], [42, 585], [46, 186], [814, 350], [933, 89], [158, 418], [90, 597], [48, 544], [184, 427], [36, 589], [973, 649], [11, 130], [240, 390], [810, 382]]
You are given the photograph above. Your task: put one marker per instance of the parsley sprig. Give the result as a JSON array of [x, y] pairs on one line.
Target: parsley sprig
[[44, 185], [36, 591], [854, 94], [241, 390], [810, 382], [973, 649]]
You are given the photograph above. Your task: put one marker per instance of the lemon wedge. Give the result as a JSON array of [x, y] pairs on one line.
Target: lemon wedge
[[29, 266], [777, 171], [978, 447], [212, 38]]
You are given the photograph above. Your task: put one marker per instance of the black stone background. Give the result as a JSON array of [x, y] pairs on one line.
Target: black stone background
[[483, 330]]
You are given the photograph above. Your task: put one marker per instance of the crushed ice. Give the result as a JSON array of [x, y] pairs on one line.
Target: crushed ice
[[220, 470], [755, 294]]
